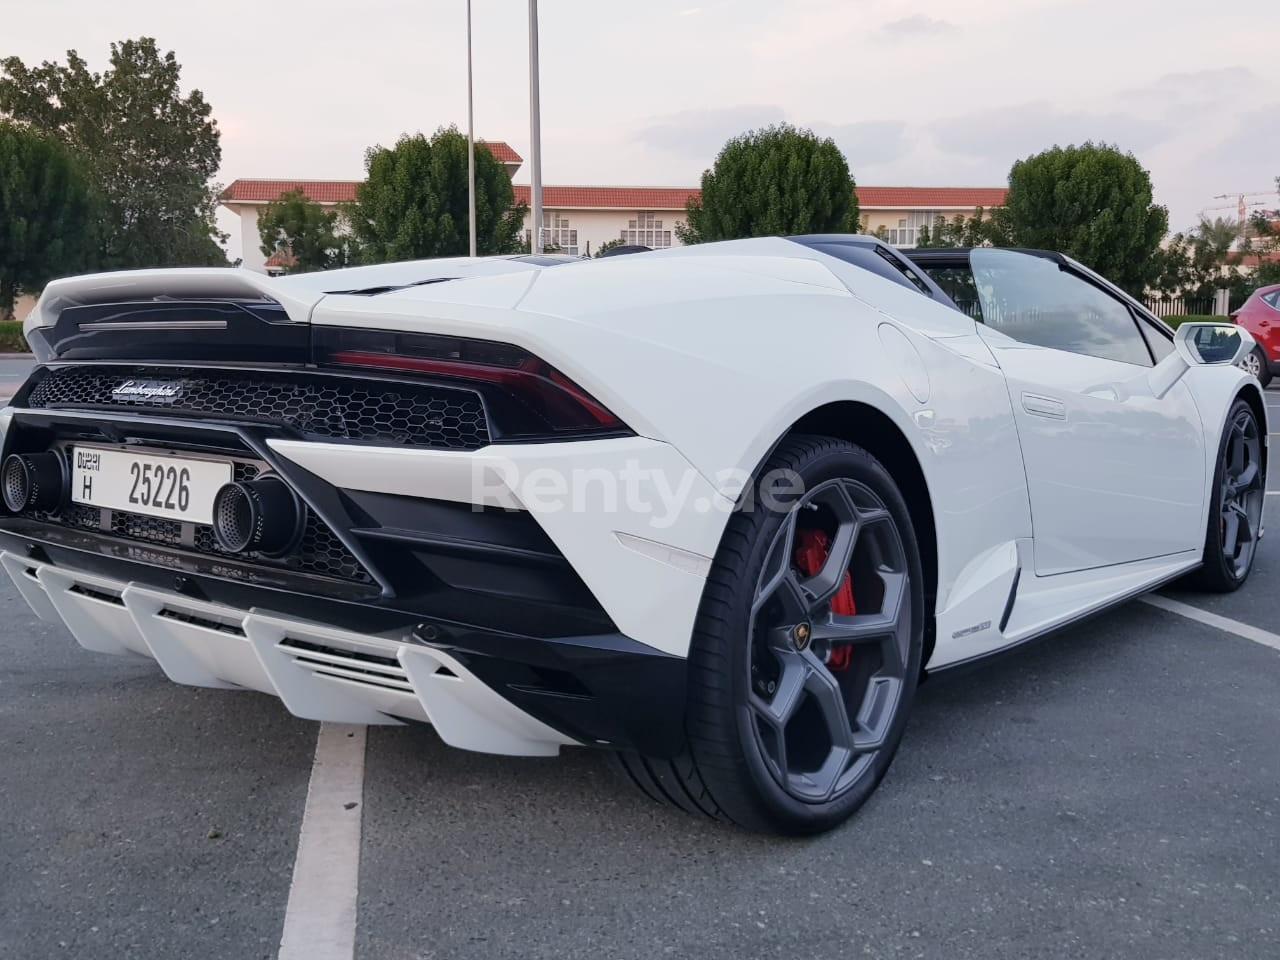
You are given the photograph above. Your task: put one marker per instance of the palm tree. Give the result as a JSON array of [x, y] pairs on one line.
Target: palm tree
[[1215, 237]]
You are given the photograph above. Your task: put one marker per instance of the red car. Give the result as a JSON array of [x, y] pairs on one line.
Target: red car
[[1260, 315]]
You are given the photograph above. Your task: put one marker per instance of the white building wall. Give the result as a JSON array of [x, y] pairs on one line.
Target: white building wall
[[250, 242], [593, 228], [23, 306], [596, 227]]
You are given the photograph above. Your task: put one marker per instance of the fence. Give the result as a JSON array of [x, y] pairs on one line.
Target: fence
[[1180, 306]]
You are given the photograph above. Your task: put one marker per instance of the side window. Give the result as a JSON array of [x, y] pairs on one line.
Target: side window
[[1272, 299], [957, 283], [1161, 346], [1031, 299]]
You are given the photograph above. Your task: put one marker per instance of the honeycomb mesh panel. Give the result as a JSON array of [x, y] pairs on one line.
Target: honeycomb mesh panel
[[14, 482], [333, 408], [152, 529], [319, 550]]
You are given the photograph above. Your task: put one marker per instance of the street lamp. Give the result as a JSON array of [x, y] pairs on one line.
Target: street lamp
[[471, 145], [535, 125]]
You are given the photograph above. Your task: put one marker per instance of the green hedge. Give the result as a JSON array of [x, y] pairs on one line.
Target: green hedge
[[1193, 318], [11, 339]]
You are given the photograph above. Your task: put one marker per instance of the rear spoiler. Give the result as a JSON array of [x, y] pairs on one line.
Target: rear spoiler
[[297, 294], [197, 283]]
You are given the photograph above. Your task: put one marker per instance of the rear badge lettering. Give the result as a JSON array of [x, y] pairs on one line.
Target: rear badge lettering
[[156, 391]]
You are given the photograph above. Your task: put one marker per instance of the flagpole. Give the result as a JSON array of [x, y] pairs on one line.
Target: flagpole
[[471, 146], [535, 131]]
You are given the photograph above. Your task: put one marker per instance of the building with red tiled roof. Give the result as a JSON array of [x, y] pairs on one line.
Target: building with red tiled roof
[[579, 219], [938, 198]]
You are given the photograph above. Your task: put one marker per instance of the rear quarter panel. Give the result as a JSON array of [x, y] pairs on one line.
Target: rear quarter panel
[[721, 356]]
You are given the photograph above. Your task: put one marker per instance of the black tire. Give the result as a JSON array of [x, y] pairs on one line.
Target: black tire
[[737, 762], [1257, 364], [1239, 489]]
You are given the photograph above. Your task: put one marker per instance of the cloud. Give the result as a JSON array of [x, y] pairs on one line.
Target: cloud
[[701, 133], [917, 26], [1248, 160], [1194, 95], [867, 143], [690, 12], [1010, 133]]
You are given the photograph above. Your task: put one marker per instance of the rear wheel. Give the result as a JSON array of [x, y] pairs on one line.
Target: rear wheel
[[1235, 513], [807, 648], [1255, 362]]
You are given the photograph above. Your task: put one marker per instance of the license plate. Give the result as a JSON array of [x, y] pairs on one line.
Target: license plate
[[158, 486]]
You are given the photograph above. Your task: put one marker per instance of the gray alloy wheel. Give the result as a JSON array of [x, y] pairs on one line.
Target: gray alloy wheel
[[820, 715], [1235, 517], [807, 650], [1241, 492]]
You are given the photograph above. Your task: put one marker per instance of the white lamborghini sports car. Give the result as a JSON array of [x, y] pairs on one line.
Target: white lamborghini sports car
[[715, 509]]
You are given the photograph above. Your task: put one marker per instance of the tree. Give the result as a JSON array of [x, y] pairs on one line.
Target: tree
[[607, 246], [46, 213], [775, 181], [1197, 263], [413, 205], [309, 233], [978, 230], [149, 151], [1263, 241], [1091, 202]]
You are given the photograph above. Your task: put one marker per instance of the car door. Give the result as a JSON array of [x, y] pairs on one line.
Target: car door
[[1115, 474], [1268, 323]]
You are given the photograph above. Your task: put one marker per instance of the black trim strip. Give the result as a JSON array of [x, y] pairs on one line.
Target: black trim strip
[[132, 325], [1070, 622], [1008, 604], [455, 545]]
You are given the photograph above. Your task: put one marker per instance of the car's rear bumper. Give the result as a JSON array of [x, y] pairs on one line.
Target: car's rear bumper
[[335, 660], [566, 626]]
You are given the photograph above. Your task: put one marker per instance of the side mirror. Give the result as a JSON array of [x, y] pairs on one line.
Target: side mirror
[[1212, 343], [1199, 344]]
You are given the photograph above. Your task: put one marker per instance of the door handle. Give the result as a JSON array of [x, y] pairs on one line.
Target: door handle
[[1046, 407]]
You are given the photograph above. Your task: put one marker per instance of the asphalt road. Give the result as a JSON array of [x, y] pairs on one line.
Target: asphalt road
[[1113, 791]]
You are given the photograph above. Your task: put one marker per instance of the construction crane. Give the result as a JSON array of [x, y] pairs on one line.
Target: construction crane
[[1244, 200]]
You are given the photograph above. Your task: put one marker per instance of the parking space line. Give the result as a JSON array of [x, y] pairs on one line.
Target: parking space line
[[320, 920], [1256, 634]]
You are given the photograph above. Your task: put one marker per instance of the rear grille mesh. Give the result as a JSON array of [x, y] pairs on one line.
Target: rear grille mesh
[[320, 552], [334, 408]]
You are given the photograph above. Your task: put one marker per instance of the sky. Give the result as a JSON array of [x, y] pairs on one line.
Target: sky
[[915, 92]]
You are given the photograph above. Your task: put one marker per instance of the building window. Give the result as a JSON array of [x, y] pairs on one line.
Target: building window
[[557, 233], [646, 231], [907, 232]]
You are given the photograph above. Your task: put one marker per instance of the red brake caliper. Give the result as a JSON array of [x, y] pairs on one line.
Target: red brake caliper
[[811, 549]]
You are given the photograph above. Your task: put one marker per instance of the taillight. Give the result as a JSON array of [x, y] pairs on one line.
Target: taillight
[[527, 396]]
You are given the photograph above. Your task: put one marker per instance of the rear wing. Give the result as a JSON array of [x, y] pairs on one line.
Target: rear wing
[[297, 293], [197, 283]]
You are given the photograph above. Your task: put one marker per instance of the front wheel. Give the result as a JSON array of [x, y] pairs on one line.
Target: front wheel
[[807, 648], [1235, 512]]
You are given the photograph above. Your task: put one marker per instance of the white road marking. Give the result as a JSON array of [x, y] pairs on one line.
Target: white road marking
[[320, 920], [1256, 634]]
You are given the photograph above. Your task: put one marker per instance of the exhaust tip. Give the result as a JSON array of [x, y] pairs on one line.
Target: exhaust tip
[[258, 515], [33, 481]]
